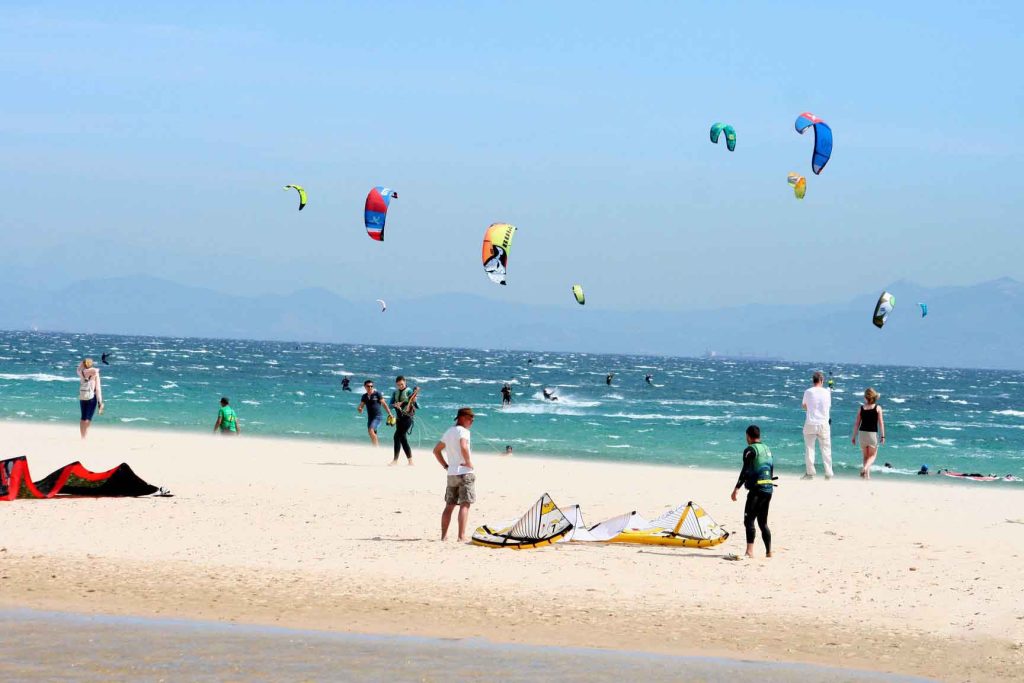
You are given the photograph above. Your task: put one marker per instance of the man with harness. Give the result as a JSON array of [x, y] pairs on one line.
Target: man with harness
[[403, 402], [757, 476]]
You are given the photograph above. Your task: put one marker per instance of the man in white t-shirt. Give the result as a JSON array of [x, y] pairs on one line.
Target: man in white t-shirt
[[818, 404], [461, 489]]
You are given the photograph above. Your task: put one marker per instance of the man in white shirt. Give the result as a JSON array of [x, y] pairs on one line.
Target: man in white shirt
[[461, 489], [818, 404]]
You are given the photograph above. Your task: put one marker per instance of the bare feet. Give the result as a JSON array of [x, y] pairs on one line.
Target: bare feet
[[393, 462], [750, 555], [463, 540], [768, 554], [410, 462]]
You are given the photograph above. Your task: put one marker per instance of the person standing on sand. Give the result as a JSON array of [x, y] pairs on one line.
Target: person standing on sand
[[818, 404], [227, 420], [461, 488], [757, 475], [870, 427], [90, 393], [373, 401], [403, 401]]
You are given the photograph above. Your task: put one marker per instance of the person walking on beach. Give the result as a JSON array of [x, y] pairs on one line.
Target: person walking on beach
[[227, 420], [90, 394], [756, 475], [461, 489], [818, 404], [870, 427], [403, 402], [373, 401], [506, 395]]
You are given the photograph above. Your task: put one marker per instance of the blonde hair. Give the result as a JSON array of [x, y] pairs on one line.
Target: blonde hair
[[870, 395], [87, 362]]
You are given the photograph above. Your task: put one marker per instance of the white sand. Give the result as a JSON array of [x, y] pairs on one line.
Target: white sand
[[911, 577]]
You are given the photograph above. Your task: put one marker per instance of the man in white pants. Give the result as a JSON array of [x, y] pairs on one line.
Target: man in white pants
[[818, 404]]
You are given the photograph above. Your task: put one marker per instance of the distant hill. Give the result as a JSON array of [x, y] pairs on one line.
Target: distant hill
[[972, 326]]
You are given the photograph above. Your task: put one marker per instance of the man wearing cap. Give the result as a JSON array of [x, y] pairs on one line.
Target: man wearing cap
[[461, 489]]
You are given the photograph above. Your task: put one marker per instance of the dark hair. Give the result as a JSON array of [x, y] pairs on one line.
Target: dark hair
[[817, 377], [369, 381], [754, 432], [224, 400], [400, 378]]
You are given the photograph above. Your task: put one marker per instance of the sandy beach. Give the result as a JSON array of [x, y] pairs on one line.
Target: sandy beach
[[913, 578]]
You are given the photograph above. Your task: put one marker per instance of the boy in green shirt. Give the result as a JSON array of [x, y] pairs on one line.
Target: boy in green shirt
[[227, 420]]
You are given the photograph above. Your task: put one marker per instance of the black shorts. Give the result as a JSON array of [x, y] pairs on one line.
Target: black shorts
[[88, 408]]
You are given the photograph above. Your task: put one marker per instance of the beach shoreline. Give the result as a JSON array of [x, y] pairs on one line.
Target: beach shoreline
[[867, 575]]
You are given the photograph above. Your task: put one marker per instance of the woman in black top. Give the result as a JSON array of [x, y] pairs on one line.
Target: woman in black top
[[870, 427]]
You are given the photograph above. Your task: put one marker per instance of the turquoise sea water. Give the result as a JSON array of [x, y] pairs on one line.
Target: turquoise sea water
[[694, 413]]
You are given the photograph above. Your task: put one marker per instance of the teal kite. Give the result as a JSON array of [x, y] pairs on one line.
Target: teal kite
[[730, 135]]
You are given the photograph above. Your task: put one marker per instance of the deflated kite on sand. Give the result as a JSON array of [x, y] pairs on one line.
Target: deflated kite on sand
[[70, 480], [545, 523]]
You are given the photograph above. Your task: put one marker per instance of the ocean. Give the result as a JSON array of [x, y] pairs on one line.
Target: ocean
[[693, 412]]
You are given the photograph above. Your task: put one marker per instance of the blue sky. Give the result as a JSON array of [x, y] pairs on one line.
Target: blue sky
[[156, 137]]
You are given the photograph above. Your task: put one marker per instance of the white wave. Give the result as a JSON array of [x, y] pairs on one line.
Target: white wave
[[922, 445], [952, 429], [711, 403], [567, 400], [300, 393], [934, 440], [662, 416], [617, 445], [250, 402], [617, 397], [897, 400], [553, 367], [1010, 413], [169, 385], [37, 377], [546, 408], [134, 419], [781, 367], [960, 402]]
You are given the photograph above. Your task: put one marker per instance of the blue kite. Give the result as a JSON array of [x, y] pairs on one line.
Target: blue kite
[[376, 211], [822, 139]]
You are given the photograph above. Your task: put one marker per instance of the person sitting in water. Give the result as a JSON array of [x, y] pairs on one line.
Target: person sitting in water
[[550, 395]]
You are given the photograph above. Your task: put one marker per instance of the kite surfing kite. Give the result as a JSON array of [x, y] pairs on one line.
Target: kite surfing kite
[[302, 194], [799, 184], [924, 309], [883, 308], [376, 212], [730, 135], [822, 139], [497, 245], [383, 305], [577, 292], [543, 524], [70, 480]]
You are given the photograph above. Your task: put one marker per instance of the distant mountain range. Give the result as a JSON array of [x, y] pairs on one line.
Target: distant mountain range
[[979, 325]]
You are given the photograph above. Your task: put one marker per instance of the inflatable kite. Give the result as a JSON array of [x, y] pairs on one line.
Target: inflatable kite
[[577, 292], [543, 524], [70, 480], [383, 305], [376, 211], [497, 245], [799, 184], [730, 135], [822, 139], [302, 194], [687, 526], [924, 309], [883, 308]]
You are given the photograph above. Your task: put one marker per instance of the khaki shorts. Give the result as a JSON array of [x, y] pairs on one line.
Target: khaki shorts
[[461, 489], [869, 439]]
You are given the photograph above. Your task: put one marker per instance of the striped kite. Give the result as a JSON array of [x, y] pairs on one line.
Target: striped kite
[[377, 203]]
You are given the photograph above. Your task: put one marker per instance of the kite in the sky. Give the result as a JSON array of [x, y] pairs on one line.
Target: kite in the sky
[[924, 309], [883, 308], [383, 305], [730, 135], [302, 194], [577, 291], [497, 245], [377, 203], [799, 184], [822, 139]]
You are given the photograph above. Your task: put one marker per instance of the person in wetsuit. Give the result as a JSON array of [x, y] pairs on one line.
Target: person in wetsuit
[[403, 402], [104, 357], [608, 379], [549, 395], [506, 395], [346, 384], [648, 378], [756, 475]]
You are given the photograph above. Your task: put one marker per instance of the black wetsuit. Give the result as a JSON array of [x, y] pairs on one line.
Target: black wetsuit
[[345, 385], [506, 396], [759, 498], [403, 423]]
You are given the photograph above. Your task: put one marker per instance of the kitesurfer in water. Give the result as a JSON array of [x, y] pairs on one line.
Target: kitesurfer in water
[[104, 357], [227, 420], [831, 382], [375, 405], [403, 401], [90, 394], [346, 384], [461, 489], [608, 379], [757, 475], [506, 395], [549, 394], [869, 426], [648, 378]]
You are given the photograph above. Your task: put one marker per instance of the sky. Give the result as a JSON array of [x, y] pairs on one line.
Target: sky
[[156, 138]]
